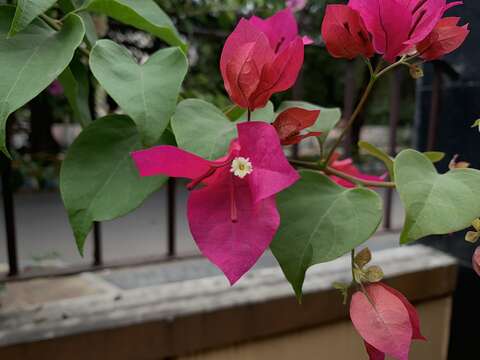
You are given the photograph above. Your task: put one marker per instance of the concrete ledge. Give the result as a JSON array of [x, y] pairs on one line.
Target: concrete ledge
[[182, 317]]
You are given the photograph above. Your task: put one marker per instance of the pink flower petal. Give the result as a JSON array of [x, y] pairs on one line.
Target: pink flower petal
[[476, 261], [412, 312], [244, 55], [344, 33], [373, 353], [280, 74], [291, 121], [446, 37], [389, 22], [233, 246], [307, 40], [281, 28], [170, 161], [347, 166], [426, 15], [272, 172], [382, 320]]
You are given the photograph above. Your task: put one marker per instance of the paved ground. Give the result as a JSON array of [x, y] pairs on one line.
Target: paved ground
[[43, 230]]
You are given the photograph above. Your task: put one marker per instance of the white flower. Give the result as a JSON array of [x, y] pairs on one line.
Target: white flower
[[241, 167]]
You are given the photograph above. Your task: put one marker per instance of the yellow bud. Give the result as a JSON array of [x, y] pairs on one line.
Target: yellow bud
[[472, 236]]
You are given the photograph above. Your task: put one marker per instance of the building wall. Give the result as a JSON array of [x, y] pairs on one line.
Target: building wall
[[339, 341]]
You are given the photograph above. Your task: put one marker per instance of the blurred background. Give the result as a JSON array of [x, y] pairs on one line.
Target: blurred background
[[433, 113]]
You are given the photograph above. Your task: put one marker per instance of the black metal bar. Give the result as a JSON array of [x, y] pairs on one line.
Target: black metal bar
[[97, 244], [395, 103], [437, 84], [171, 220], [9, 215]]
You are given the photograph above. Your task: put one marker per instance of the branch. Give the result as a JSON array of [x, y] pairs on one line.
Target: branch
[[331, 171]]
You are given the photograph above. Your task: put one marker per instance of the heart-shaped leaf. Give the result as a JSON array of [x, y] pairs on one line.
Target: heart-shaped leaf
[[143, 14], [435, 204], [31, 60], [327, 120], [148, 92], [205, 130], [26, 11], [68, 6], [321, 221], [98, 179]]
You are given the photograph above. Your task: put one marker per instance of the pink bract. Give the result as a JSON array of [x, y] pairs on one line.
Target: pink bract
[[345, 34], [232, 219], [397, 26], [446, 37], [383, 321], [290, 122], [262, 57], [347, 166]]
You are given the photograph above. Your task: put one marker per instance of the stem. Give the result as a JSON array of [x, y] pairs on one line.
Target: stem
[[331, 171], [352, 256], [382, 184], [404, 60], [249, 115], [53, 23], [57, 25], [354, 116]]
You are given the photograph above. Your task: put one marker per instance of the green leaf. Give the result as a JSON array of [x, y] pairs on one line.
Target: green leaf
[[148, 92], [266, 114], [380, 155], [68, 6], [26, 11], [202, 128], [32, 60], [435, 204], [75, 82], [98, 179], [205, 130], [233, 112], [476, 124], [143, 14], [434, 156], [327, 120], [321, 221]]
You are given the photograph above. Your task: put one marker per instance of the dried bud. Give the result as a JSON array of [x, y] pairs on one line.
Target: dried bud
[[363, 258], [416, 72], [473, 236], [458, 165], [374, 274]]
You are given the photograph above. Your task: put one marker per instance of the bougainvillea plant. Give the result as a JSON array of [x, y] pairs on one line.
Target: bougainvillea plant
[[245, 195]]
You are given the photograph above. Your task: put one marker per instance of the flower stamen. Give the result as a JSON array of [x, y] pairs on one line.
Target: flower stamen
[[241, 167]]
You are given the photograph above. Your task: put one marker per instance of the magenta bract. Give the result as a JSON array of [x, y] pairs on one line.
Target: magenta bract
[[231, 209], [397, 26]]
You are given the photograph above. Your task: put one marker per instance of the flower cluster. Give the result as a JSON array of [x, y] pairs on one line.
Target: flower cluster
[[232, 210], [392, 28]]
